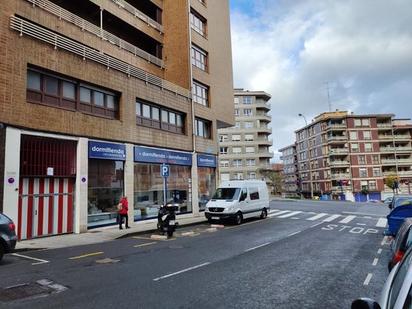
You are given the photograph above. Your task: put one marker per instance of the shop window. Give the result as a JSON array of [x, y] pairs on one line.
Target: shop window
[[58, 91], [149, 115], [207, 185]]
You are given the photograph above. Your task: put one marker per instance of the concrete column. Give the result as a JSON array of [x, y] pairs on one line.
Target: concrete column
[[129, 180], [82, 182], [195, 186], [12, 173]]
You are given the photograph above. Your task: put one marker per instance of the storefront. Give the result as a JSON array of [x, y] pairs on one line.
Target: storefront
[[105, 183], [148, 182], [206, 177]]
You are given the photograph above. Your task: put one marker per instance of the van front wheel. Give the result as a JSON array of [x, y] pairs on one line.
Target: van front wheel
[[238, 218], [264, 214]]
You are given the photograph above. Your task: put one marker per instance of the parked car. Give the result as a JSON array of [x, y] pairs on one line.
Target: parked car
[[399, 200], [396, 217], [8, 236], [401, 243], [397, 292]]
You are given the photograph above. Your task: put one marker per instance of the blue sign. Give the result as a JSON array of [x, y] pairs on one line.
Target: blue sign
[[155, 155], [109, 151], [206, 160], [165, 170]]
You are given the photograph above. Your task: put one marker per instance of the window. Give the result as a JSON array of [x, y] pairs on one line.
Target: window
[[235, 137], [236, 111], [250, 162], [354, 147], [200, 93], [252, 175], [375, 159], [353, 135], [237, 163], [247, 100], [363, 172], [253, 193], [361, 160], [237, 125], [376, 171], [247, 112], [237, 149], [223, 150], [59, 91], [198, 23], [357, 122], [250, 149], [368, 147], [199, 58], [225, 176], [366, 134], [248, 125], [224, 163], [223, 138], [239, 176], [203, 128], [365, 122], [249, 137], [236, 100], [154, 116]]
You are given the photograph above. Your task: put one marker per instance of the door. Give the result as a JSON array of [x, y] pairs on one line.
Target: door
[[45, 206]]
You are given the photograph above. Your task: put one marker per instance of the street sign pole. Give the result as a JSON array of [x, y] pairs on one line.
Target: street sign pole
[[164, 172]]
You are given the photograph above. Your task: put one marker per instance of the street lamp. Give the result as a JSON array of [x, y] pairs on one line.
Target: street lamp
[[307, 147]]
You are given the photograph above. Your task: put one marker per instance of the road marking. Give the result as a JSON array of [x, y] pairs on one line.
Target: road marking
[[360, 214], [141, 237], [39, 261], [319, 223], [363, 224], [367, 217], [146, 244], [273, 210], [290, 214], [294, 233], [250, 249], [375, 262], [384, 240], [85, 255], [347, 219], [181, 271], [278, 213], [379, 251], [331, 218], [318, 216], [368, 279], [381, 222]]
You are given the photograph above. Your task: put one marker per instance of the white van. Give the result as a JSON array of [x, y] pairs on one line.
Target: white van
[[238, 199]]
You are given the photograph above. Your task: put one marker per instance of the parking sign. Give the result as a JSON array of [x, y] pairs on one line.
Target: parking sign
[[165, 170]]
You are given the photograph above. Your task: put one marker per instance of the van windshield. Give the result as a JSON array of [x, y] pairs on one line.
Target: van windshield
[[226, 194]]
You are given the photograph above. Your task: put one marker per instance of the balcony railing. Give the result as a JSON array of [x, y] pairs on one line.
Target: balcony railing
[[337, 162], [58, 41], [384, 125], [393, 149], [336, 126], [402, 136], [336, 151], [92, 28], [337, 137], [396, 161], [385, 136], [136, 13], [340, 176]]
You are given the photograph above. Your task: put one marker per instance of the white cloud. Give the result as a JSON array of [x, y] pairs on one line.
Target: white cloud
[[290, 49]]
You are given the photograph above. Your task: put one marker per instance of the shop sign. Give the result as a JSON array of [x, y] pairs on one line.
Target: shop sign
[[155, 155], [109, 151], [206, 160]]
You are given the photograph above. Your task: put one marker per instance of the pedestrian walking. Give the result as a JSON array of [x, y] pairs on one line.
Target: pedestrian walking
[[123, 208]]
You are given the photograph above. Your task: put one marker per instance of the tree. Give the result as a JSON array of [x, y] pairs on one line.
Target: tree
[[392, 181], [273, 178]]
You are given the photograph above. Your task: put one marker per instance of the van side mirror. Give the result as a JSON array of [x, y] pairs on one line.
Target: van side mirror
[[243, 197], [365, 303]]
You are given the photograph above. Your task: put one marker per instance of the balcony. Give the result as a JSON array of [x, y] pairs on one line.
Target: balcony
[[397, 161], [337, 138], [397, 149], [266, 142], [385, 136], [387, 125], [338, 176], [338, 163], [405, 173], [263, 117], [265, 154], [261, 105], [341, 188], [336, 126], [402, 137], [85, 25], [338, 151]]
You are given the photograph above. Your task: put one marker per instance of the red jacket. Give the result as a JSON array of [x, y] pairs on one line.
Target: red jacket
[[125, 207]]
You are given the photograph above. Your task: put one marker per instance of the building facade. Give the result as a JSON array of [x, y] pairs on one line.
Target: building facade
[[289, 158], [97, 95], [244, 148], [347, 156]]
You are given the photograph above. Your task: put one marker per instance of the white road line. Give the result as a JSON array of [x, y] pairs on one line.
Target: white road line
[[331, 218], [290, 214], [381, 222], [368, 279], [294, 233], [367, 217], [375, 262], [319, 223], [347, 219], [379, 251], [359, 214], [278, 213], [363, 224], [273, 210], [318, 216], [260, 246], [40, 261], [384, 240], [181, 271]]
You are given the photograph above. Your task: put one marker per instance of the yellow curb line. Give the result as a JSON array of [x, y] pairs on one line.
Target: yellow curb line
[[85, 255]]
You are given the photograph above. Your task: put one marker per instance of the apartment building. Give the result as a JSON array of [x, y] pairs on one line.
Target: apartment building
[[347, 156], [96, 95], [289, 158], [244, 148]]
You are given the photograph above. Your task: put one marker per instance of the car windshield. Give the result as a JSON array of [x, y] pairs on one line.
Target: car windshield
[[399, 201], [226, 194]]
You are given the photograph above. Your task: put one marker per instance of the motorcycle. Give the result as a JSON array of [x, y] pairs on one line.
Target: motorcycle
[[166, 219]]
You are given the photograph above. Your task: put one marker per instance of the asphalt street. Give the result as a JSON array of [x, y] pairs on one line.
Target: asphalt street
[[306, 254]]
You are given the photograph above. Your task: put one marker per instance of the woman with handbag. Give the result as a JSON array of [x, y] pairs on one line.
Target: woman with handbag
[[123, 208]]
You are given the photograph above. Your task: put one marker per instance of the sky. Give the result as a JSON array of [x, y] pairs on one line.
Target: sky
[[316, 55]]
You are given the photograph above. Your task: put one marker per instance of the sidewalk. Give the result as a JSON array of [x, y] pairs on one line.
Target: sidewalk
[[99, 235]]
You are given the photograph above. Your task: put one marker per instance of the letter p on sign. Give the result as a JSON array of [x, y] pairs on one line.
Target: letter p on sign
[[165, 170]]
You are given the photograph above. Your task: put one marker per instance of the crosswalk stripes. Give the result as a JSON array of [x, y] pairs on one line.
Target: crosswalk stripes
[[331, 218], [318, 216], [293, 213], [381, 222], [278, 213], [347, 219]]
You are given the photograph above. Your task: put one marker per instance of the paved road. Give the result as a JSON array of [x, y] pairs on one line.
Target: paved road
[[305, 255]]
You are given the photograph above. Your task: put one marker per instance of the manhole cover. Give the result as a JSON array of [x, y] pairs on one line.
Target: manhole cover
[[42, 287]]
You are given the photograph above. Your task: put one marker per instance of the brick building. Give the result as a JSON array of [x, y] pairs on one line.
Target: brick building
[[95, 95], [290, 169], [343, 155]]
